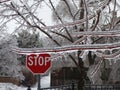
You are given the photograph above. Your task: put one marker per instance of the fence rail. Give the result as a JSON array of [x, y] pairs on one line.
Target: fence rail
[[86, 87], [57, 88], [102, 87], [62, 87]]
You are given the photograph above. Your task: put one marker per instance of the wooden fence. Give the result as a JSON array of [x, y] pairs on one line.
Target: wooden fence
[[10, 80]]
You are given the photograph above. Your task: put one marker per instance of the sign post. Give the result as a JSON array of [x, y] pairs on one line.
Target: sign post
[[39, 82], [38, 64]]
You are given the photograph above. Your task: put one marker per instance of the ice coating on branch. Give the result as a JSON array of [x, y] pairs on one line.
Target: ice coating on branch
[[68, 48], [59, 55]]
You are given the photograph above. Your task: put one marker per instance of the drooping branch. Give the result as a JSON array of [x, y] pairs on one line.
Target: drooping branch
[[67, 48], [110, 56]]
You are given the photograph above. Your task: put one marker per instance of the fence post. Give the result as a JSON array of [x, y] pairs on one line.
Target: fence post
[[73, 86]]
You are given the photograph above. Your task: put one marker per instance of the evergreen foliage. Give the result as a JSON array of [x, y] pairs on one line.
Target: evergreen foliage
[[27, 39], [9, 65]]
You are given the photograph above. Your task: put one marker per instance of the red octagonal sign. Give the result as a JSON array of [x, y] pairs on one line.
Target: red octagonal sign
[[38, 63]]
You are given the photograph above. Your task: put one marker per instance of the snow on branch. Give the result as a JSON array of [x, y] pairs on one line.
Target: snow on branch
[[2, 1], [97, 33], [67, 48], [110, 56]]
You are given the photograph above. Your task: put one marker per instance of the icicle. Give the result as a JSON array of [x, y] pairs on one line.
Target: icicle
[[110, 61], [85, 53], [115, 60], [76, 54], [92, 79], [57, 56]]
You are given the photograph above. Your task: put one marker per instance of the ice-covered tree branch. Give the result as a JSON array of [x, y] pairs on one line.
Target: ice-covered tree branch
[[2, 1], [109, 56], [68, 48], [97, 33]]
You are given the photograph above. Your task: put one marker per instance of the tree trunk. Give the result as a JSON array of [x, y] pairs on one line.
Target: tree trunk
[[82, 73]]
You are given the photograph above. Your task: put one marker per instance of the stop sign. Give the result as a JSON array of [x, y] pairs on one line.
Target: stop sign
[[38, 63]]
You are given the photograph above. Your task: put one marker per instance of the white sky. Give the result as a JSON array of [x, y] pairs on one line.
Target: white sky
[[46, 13]]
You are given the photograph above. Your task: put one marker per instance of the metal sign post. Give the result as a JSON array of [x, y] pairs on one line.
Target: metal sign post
[[39, 83]]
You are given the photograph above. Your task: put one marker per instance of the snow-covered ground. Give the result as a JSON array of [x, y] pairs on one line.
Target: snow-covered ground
[[9, 86], [45, 82]]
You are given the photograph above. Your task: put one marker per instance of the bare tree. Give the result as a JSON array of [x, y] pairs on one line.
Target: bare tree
[[80, 25]]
